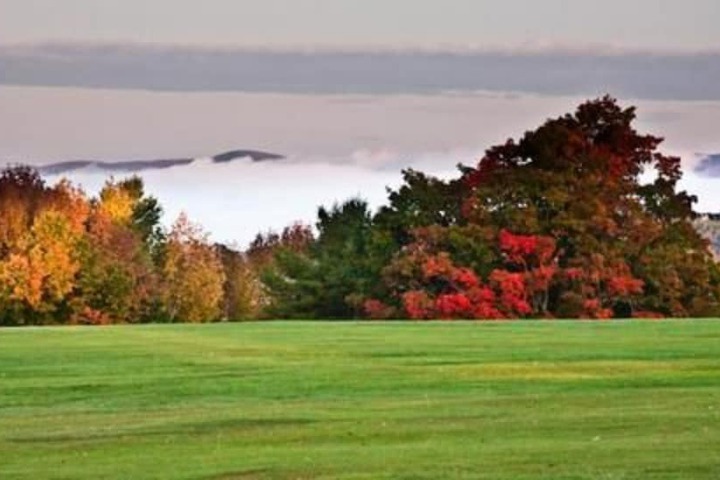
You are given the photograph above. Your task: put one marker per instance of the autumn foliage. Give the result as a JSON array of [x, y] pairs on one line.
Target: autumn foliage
[[67, 258], [580, 218], [559, 224]]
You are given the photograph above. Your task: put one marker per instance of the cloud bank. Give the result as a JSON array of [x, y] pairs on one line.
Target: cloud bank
[[550, 71], [235, 201]]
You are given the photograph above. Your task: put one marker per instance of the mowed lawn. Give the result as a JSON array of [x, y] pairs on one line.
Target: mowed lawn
[[525, 400]]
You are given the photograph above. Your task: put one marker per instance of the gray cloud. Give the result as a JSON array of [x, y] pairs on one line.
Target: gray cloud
[[709, 166], [636, 74]]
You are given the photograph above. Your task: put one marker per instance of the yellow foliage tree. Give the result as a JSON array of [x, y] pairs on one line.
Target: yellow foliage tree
[[192, 274], [117, 202], [41, 272]]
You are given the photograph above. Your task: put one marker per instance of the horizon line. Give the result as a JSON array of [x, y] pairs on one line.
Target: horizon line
[[538, 48]]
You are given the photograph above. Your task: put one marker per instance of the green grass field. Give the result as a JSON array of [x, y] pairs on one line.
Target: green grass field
[[526, 400]]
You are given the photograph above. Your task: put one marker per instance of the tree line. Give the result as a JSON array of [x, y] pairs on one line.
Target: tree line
[[580, 218]]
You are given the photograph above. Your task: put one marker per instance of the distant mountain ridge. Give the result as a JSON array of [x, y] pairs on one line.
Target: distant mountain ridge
[[134, 166], [119, 167], [255, 155]]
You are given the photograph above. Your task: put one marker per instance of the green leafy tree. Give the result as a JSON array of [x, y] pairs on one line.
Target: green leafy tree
[[331, 278], [421, 201]]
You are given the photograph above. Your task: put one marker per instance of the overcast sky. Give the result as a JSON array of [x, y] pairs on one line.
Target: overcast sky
[[646, 24]]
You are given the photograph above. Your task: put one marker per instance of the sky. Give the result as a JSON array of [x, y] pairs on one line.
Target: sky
[[349, 91], [646, 24]]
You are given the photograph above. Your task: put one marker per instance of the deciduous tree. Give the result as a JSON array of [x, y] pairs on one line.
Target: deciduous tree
[[192, 275]]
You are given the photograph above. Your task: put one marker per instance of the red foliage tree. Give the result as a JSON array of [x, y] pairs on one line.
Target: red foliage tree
[[576, 182]]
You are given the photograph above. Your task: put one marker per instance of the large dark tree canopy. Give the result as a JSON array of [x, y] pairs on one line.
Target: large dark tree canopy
[[600, 197], [578, 167]]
